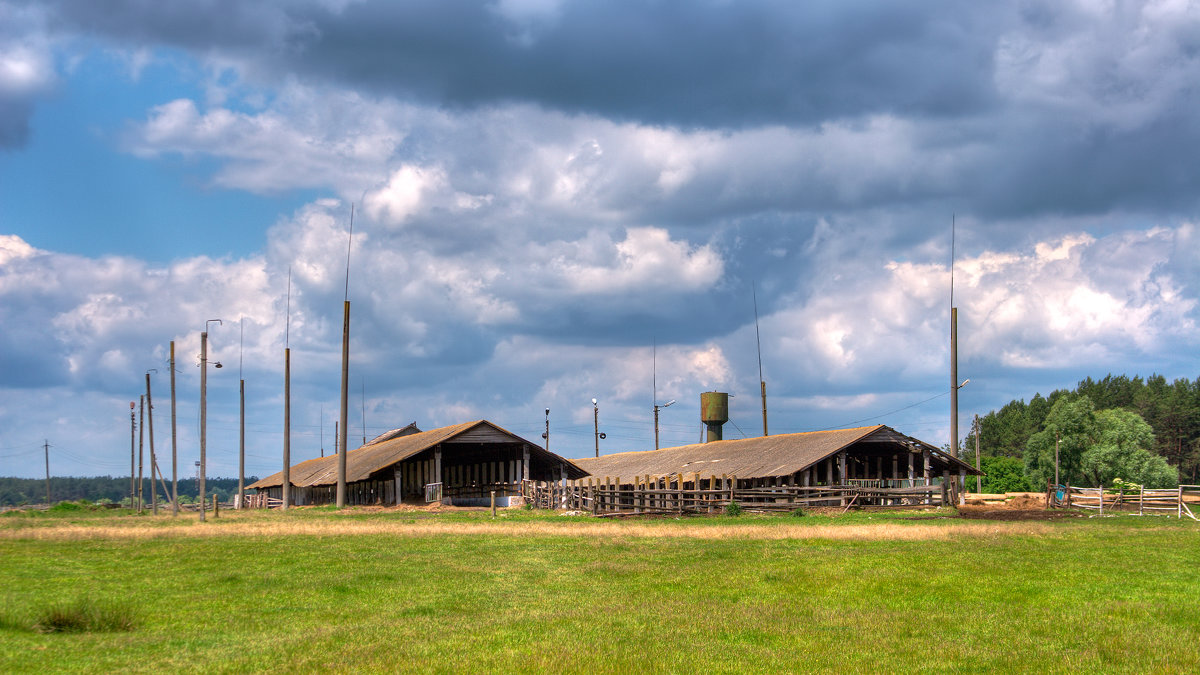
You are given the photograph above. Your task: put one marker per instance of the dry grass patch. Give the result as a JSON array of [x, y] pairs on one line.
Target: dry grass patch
[[259, 527]]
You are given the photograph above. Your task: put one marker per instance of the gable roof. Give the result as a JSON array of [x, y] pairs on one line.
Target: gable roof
[[380, 454], [762, 457]]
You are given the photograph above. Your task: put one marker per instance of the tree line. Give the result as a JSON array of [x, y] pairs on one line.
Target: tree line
[[1144, 431], [18, 491]]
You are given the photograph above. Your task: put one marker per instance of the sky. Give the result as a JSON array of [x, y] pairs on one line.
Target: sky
[[555, 201]]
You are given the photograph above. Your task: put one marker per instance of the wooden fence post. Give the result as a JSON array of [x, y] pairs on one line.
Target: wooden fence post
[[1101, 491]]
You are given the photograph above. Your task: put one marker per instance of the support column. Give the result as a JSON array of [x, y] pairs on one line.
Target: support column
[[437, 469]]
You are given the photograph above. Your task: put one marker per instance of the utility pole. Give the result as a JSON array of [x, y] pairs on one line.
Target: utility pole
[[344, 412], [174, 455], [285, 489], [203, 416], [153, 459], [596, 424], [141, 448], [241, 498], [655, 426], [204, 409], [364, 409], [761, 382], [47, 447], [1056, 483], [978, 461], [132, 451], [546, 435]]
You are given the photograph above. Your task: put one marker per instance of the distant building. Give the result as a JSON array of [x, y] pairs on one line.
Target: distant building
[[460, 464]]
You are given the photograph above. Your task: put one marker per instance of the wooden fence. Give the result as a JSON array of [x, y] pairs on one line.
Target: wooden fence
[[672, 495], [1143, 501]]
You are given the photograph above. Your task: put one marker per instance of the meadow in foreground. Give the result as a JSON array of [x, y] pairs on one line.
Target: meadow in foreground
[[359, 590]]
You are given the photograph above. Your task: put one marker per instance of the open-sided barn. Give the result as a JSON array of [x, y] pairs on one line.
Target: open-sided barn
[[840, 457], [459, 464]]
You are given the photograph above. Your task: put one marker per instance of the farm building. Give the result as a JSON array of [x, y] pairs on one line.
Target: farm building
[[877, 455], [460, 464]]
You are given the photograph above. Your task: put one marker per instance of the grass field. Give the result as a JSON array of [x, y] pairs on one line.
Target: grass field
[[386, 591]]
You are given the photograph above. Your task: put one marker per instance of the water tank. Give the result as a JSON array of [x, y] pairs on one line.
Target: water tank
[[714, 412]]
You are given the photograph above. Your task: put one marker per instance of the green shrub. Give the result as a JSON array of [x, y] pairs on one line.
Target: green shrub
[[84, 616], [798, 513], [733, 509], [62, 507]]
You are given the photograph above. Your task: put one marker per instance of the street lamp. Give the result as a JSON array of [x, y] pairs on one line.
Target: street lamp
[[668, 404], [546, 434], [204, 406], [596, 425]]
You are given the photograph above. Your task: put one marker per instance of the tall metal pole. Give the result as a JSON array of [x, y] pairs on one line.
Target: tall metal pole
[[141, 449], [286, 489], [344, 412], [241, 498], [153, 460], [978, 461], [132, 452], [1056, 483], [954, 381], [761, 382], [203, 414], [547, 434], [174, 454], [47, 447], [241, 444], [656, 426], [596, 424]]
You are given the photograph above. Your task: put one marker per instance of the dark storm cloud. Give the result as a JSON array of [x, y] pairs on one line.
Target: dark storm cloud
[[1005, 111], [680, 63]]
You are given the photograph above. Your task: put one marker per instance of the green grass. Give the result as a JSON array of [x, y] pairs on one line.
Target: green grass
[[1086, 595]]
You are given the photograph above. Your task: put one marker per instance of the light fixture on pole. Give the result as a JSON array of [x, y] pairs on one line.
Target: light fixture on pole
[[668, 404], [546, 434], [596, 425], [202, 466]]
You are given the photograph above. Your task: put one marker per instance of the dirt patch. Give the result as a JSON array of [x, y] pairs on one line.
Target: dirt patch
[[1010, 513]]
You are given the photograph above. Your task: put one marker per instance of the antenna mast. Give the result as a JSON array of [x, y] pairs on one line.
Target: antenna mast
[[758, 341], [344, 413], [286, 490]]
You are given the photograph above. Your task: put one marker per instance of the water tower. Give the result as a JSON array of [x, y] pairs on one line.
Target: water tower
[[714, 412]]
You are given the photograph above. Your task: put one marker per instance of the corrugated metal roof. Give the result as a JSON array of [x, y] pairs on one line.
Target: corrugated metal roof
[[763, 457], [377, 455]]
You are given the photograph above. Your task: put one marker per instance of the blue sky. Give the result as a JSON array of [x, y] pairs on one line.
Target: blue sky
[[545, 190]]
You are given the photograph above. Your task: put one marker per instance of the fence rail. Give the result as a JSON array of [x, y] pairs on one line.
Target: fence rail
[[1142, 501], [672, 495]]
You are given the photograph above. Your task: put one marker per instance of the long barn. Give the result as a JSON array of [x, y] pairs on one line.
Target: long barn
[[460, 464], [816, 458]]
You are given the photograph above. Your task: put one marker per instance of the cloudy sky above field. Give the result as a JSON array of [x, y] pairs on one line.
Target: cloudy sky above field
[[552, 196]]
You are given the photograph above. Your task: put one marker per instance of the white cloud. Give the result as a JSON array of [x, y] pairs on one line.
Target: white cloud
[[404, 193], [645, 259], [1072, 301]]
